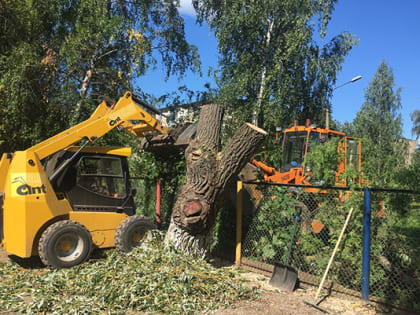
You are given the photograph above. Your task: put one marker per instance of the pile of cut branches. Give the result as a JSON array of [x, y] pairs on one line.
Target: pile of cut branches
[[153, 279]]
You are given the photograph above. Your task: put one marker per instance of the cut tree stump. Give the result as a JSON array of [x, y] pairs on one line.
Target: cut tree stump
[[208, 172]]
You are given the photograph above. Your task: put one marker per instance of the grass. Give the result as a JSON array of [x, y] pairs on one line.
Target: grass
[[154, 279]]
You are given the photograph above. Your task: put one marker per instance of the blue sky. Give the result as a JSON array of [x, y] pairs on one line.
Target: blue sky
[[387, 30]]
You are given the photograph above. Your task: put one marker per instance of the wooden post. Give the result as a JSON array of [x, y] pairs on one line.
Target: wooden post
[[238, 223]]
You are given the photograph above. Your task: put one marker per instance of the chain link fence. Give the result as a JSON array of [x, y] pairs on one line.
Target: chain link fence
[[320, 214], [146, 200]]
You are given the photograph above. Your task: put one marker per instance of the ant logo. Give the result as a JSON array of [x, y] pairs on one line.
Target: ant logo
[[24, 189], [114, 121]]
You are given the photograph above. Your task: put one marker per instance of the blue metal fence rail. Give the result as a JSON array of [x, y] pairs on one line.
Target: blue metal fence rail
[[366, 244]]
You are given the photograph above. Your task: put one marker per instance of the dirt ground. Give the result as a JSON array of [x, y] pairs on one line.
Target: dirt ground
[[274, 301]]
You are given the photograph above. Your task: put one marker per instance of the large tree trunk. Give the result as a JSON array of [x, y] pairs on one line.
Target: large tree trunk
[[208, 172]]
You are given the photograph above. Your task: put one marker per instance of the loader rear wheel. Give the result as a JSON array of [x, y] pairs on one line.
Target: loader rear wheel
[[131, 231], [65, 244]]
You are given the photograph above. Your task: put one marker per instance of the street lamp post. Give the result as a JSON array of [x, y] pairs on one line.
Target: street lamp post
[[327, 111]]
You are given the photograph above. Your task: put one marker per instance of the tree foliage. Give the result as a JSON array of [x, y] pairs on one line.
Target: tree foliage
[[409, 176], [323, 161], [271, 66], [415, 117], [59, 57], [26, 113], [379, 125]]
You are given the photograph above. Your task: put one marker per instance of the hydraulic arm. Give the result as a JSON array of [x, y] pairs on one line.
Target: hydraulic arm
[[125, 113]]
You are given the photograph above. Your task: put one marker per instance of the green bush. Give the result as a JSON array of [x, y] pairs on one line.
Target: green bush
[[273, 223]]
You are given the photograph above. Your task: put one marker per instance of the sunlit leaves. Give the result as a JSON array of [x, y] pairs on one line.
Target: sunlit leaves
[[299, 72], [379, 125], [154, 279], [415, 117], [323, 160], [58, 58], [275, 218]]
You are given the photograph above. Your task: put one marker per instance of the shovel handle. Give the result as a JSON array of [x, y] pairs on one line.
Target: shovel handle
[[333, 255], [289, 251]]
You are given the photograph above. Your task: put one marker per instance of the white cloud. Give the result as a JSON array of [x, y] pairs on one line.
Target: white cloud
[[186, 8]]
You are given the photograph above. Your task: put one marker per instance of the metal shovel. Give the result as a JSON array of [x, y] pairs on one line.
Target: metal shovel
[[285, 276]]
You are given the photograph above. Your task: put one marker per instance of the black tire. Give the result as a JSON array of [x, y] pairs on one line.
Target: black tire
[[131, 231], [65, 244]]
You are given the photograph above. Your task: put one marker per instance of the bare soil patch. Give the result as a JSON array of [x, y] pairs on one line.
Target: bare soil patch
[[275, 301]]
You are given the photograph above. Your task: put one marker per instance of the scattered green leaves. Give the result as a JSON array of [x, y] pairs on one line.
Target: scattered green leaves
[[154, 279]]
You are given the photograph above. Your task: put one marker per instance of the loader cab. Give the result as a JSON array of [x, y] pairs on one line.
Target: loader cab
[[297, 144], [97, 180], [299, 140]]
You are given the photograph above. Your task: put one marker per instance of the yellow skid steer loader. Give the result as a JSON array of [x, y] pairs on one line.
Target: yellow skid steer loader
[[60, 201]]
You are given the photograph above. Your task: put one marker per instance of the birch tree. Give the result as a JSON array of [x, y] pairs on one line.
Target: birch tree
[[272, 70]]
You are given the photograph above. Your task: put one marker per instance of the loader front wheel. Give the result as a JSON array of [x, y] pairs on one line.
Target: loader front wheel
[[65, 244], [131, 231]]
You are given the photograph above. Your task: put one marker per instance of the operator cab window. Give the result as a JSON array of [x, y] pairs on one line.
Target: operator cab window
[[314, 140], [102, 175], [353, 153], [294, 150]]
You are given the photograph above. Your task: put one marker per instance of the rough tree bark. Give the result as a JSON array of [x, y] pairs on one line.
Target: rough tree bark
[[208, 172]]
